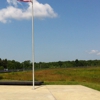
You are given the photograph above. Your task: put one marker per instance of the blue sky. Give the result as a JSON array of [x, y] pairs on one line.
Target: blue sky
[[63, 30]]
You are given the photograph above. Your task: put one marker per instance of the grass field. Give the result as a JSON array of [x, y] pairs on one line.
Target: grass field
[[89, 76]]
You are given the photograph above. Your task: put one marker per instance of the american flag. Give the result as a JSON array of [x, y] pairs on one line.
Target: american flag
[[25, 0]]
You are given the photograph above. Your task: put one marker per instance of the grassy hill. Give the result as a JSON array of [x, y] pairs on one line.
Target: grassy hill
[[88, 76]]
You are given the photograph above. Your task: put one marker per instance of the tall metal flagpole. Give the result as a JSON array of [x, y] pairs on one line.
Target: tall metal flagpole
[[32, 38], [33, 44]]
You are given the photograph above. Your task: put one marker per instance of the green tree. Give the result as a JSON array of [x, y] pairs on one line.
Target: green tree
[[60, 63], [4, 62], [27, 64]]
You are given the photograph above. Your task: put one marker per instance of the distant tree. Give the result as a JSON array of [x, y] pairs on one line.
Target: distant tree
[[27, 64], [60, 63], [1, 68], [40, 65], [5, 63], [0, 62], [18, 65], [76, 63], [11, 65]]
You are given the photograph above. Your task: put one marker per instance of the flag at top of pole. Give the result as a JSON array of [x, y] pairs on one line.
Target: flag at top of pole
[[25, 0]]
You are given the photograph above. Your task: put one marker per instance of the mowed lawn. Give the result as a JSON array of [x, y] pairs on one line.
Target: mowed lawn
[[88, 76]]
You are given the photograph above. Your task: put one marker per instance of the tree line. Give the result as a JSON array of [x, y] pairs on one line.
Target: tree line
[[68, 64], [15, 65], [27, 65]]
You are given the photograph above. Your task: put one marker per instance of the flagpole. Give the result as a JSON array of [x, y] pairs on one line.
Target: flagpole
[[33, 45], [32, 39]]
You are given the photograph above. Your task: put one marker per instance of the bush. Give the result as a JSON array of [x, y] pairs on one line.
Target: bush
[[1, 67]]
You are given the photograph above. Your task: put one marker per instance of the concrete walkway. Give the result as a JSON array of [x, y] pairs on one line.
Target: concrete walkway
[[48, 92]]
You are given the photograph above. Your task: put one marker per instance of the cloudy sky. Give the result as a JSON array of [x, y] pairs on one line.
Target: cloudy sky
[[63, 30]]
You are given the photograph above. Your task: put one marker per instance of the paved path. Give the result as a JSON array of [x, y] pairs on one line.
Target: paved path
[[48, 92]]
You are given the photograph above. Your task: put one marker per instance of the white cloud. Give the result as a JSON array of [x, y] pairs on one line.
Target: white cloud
[[44, 10], [96, 52], [13, 12], [14, 2], [93, 51]]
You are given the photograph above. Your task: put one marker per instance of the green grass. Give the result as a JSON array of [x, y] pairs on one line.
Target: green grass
[[95, 86], [89, 76], [18, 76]]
